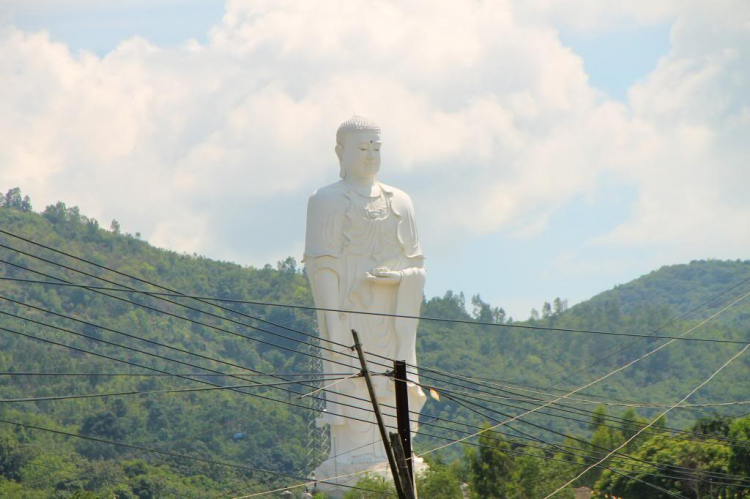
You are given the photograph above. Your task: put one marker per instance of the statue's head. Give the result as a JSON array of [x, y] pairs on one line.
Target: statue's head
[[358, 147]]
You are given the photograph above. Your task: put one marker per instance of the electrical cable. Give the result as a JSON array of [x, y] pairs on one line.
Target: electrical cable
[[183, 377], [145, 392], [379, 314], [657, 337], [94, 264], [104, 267], [664, 326], [557, 407], [126, 334], [126, 361], [681, 317], [179, 317], [547, 458], [584, 442], [152, 309], [92, 338], [493, 383], [190, 308], [701, 385], [140, 375], [601, 378], [172, 454]]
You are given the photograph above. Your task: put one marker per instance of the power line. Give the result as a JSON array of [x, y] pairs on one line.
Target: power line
[[104, 267], [683, 316], [164, 358], [574, 410], [136, 337], [106, 329], [178, 317], [539, 390], [172, 454], [346, 347], [554, 406], [344, 404], [167, 313], [63, 281], [701, 385], [92, 338], [379, 314], [141, 280], [145, 392], [152, 309], [471, 379], [491, 383], [585, 457], [601, 378], [643, 405], [664, 326], [139, 375], [584, 442], [177, 361], [474, 322], [113, 359], [548, 458]]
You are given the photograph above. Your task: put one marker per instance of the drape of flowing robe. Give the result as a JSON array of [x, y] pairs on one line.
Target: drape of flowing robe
[[350, 234]]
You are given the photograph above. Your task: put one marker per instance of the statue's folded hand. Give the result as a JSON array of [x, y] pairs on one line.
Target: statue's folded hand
[[383, 275]]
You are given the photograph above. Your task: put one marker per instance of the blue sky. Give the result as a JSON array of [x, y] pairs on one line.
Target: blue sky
[[586, 141]]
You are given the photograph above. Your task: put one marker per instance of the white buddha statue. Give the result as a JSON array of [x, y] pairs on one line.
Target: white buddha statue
[[362, 253]]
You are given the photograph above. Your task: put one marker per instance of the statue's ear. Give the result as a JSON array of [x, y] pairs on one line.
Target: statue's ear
[[339, 152]]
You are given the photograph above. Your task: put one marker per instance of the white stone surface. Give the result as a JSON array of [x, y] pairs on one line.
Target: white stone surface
[[362, 253]]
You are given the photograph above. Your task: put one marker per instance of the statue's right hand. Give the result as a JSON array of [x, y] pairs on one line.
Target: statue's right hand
[[383, 276]]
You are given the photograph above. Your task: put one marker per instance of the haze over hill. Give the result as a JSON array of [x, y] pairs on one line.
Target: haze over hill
[[684, 287]]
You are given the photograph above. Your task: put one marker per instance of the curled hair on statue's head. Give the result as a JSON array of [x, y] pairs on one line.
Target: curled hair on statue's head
[[356, 123]]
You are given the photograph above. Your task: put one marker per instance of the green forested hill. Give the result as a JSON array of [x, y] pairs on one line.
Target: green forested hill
[[262, 433], [684, 287]]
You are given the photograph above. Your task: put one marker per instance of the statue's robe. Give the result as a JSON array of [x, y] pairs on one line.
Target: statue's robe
[[351, 234]]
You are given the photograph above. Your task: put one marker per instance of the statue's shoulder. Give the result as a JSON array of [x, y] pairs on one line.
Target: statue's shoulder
[[328, 197], [399, 198]]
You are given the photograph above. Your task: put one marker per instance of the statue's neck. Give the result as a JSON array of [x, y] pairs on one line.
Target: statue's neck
[[367, 186]]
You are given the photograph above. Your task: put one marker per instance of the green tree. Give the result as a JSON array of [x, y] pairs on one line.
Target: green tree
[[12, 456], [13, 199], [696, 456], [375, 485], [439, 482], [490, 466], [739, 431]]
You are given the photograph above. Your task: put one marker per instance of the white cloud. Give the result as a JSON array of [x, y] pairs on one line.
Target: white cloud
[[480, 99], [688, 155]]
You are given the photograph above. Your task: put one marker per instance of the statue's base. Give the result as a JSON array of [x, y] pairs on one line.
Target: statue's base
[[347, 473]]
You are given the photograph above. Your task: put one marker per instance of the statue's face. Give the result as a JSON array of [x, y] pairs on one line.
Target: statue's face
[[360, 154]]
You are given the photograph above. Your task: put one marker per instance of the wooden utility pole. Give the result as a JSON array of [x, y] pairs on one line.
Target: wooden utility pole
[[379, 418], [403, 469], [402, 414]]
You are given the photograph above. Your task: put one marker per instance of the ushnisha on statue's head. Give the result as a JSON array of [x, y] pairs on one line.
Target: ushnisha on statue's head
[[358, 148]]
